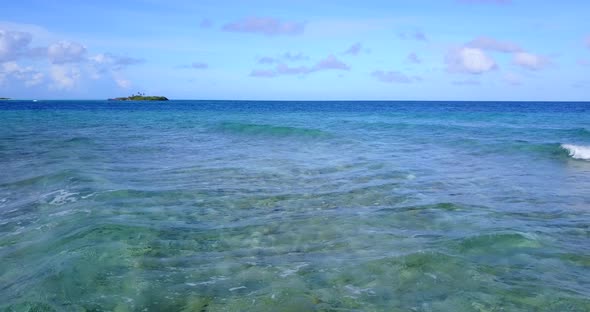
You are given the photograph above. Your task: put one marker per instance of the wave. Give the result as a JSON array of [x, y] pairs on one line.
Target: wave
[[552, 150], [577, 151], [63, 176], [557, 150], [497, 242], [580, 132], [269, 130], [80, 140], [480, 129]]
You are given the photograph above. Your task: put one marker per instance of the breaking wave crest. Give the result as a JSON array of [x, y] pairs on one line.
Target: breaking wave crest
[[577, 151]]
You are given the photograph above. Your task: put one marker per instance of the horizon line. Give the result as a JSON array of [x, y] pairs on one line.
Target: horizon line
[[278, 100]]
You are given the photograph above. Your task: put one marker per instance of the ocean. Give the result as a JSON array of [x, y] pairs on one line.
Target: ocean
[[294, 206]]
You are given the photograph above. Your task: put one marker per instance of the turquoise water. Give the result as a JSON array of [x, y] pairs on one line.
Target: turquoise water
[[294, 206]]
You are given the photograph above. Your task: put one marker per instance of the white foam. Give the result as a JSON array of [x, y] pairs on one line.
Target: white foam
[[355, 291], [237, 288], [289, 272], [62, 213], [61, 197], [577, 151], [211, 281], [86, 196]]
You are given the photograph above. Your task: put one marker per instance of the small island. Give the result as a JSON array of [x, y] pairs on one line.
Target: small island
[[140, 97], [3, 98]]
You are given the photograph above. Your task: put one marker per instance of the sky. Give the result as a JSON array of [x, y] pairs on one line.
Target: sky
[[470, 50]]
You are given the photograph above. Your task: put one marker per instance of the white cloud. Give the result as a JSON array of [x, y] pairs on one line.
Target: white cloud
[[111, 64], [58, 64], [331, 62], [354, 49], [287, 56], [265, 25], [64, 77], [469, 60], [267, 73], [491, 44], [13, 44], [66, 52], [114, 60], [392, 77], [196, 65], [13, 72], [199, 65], [107, 62], [10, 67], [123, 83], [38, 33], [282, 69], [416, 35], [292, 57], [101, 58], [530, 61], [266, 60], [35, 79], [479, 63]]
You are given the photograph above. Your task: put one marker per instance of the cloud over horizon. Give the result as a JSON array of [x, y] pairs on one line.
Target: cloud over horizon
[[266, 26], [287, 57], [491, 44], [469, 60], [415, 35], [281, 69], [530, 61], [66, 52], [13, 44], [473, 59], [331, 62], [354, 49], [64, 77], [14, 72], [293, 57], [196, 65], [62, 64], [332, 50]]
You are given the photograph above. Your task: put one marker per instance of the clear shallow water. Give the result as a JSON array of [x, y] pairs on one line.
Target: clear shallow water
[[290, 206]]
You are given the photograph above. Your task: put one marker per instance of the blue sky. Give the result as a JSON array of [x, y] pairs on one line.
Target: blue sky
[[297, 50]]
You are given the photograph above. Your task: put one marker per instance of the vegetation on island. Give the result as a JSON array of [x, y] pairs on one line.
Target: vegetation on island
[[3, 98], [140, 97]]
